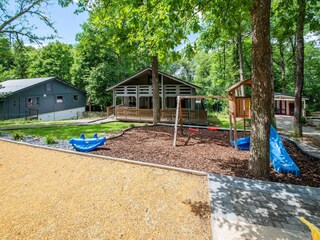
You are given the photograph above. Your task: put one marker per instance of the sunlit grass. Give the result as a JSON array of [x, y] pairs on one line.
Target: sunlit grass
[[222, 121], [67, 132], [27, 122]]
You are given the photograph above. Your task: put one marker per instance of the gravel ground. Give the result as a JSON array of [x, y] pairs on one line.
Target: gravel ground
[[47, 194], [60, 144]]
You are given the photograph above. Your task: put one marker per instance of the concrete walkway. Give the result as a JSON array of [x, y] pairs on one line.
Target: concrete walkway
[[250, 209], [285, 124]]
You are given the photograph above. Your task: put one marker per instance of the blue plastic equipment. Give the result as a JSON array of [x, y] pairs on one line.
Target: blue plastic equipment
[[279, 157], [83, 144], [281, 160], [243, 143]]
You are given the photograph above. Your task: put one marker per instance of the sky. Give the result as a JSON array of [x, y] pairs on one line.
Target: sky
[[65, 21]]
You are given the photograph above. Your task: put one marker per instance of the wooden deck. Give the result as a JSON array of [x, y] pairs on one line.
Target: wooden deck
[[167, 115]]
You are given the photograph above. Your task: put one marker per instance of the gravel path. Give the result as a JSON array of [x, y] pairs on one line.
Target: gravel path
[[47, 194]]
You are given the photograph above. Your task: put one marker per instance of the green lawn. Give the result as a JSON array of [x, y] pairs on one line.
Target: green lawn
[[222, 121], [67, 132], [24, 123]]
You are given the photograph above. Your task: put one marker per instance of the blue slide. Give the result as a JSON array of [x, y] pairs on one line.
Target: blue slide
[[83, 144], [279, 157], [281, 160]]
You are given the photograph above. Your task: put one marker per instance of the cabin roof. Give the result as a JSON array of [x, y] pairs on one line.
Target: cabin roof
[[148, 69], [15, 85], [286, 96]]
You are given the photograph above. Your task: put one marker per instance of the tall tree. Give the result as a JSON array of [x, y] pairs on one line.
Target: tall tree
[[152, 27], [55, 59], [14, 18], [297, 124], [259, 164]]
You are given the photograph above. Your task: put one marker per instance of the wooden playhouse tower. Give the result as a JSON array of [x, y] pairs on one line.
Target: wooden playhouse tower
[[239, 107]]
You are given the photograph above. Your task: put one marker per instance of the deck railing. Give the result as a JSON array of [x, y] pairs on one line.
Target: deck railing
[[166, 115]]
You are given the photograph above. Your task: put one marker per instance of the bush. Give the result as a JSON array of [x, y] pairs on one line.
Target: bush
[[51, 139], [303, 120], [17, 136], [132, 125]]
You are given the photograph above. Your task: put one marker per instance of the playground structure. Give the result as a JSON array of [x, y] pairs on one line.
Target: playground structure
[[83, 144], [179, 115], [239, 107]]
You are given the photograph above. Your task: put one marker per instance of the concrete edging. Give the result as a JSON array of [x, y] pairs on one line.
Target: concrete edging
[[183, 170]]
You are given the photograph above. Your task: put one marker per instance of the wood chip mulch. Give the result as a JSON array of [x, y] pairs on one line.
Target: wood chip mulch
[[207, 151]]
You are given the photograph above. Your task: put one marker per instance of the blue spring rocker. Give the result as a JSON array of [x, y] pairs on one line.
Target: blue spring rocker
[[83, 144]]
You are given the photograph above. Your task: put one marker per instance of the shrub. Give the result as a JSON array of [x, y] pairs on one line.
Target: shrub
[[132, 125], [303, 120], [17, 136], [51, 139]]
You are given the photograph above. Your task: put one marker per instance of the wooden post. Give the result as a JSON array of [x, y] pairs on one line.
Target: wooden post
[[234, 112], [176, 122], [244, 127], [230, 132], [181, 117]]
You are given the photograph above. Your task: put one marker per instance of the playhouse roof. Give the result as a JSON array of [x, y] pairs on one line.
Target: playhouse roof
[[246, 82]]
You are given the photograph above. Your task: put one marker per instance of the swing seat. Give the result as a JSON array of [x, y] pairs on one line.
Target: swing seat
[[193, 130], [213, 128]]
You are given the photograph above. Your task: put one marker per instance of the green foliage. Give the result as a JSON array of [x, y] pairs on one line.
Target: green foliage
[[17, 136], [51, 139], [55, 59]]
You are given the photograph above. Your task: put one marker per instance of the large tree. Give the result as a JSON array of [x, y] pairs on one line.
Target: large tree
[[15, 14], [299, 68], [152, 27], [261, 90]]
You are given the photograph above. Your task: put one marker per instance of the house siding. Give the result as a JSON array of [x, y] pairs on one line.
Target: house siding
[[16, 105]]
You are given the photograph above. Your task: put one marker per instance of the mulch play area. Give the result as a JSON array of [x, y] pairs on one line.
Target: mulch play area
[[207, 151]]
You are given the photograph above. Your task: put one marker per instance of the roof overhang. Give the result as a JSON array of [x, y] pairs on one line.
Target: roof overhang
[[246, 82], [144, 71]]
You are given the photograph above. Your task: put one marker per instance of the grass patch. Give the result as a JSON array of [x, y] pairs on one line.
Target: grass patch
[[67, 132], [222, 121], [27, 122], [51, 139]]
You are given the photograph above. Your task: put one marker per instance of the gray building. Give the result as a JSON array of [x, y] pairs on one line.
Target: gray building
[[47, 98]]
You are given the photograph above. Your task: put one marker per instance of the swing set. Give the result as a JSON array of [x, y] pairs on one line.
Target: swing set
[[179, 116]]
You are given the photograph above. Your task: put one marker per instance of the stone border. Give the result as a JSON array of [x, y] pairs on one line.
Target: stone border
[[298, 145], [183, 170]]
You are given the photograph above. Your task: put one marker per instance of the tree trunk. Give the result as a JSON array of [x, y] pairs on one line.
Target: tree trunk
[[241, 68], [299, 69], [259, 164], [155, 87], [283, 68]]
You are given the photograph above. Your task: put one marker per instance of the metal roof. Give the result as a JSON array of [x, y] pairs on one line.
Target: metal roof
[[160, 73], [15, 85]]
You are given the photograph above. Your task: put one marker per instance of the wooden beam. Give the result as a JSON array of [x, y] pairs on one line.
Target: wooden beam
[[176, 122], [201, 97]]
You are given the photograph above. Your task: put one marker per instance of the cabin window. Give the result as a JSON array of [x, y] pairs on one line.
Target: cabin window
[[75, 98], [48, 87], [33, 101], [59, 99]]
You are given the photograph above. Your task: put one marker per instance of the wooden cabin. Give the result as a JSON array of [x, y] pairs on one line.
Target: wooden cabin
[[284, 104], [132, 98]]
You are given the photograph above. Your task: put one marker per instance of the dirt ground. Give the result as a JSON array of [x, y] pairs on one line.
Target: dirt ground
[[208, 151], [47, 194]]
